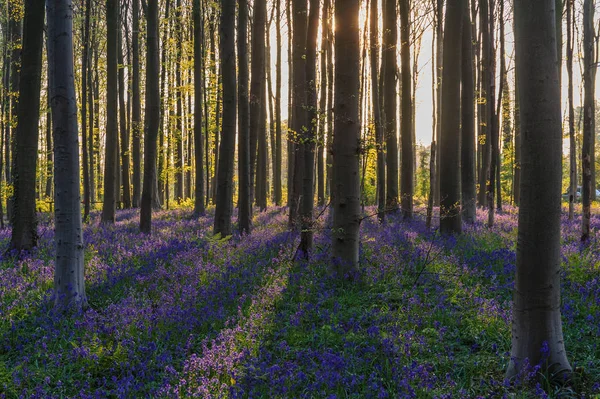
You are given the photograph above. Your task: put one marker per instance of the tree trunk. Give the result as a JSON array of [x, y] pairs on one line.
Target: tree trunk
[[406, 128], [15, 28], [152, 116], [24, 217], [110, 160], [179, 103], [69, 284], [257, 87], [390, 38], [330, 79], [85, 57], [439, 33], [278, 153], [224, 203], [346, 189], [198, 103], [587, 147], [124, 142], [468, 186], [299, 10], [136, 119], [244, 203], [537, 328], [322, 109], [450, 214], [307, 206], [572, 144], [485, 117]]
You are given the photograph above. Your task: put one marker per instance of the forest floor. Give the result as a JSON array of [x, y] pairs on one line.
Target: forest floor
[[184, 314]]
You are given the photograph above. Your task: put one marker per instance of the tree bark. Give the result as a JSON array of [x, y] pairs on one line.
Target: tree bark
[[85, 57], [244, 203], [110, 160], [198, 103], [224, 203], [377, 119], [278, 150], [69, 284], [468, 186], [136, 119], [390, 38], [406, 124], [450, 214], [307, 206], [346, 188], [24, 217], [537, 328], [124, 142], [152, 116], [587, 147], [572, 144]]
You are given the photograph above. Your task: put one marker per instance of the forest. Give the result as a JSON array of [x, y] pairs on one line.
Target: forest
[[299, 199]]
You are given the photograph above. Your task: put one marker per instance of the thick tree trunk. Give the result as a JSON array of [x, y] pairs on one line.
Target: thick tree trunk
[[69, 284], [152, 116], [587, 147], [346, 188], [224, 203], [136, 119], [24, 217], [15, 29], [406, 123], [537, 328], [390, 38], [468, 186], [244, 203], [110, 160], [450, 214]]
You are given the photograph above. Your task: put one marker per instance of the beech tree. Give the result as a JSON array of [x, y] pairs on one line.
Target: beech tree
[[111, 149], [152, 116], [537, 327], [587, 147], [198, 103], [346, 140], [389, 70], [450, 214], [244, 203], [69, 284], [24, 217], [406, 122], [224, 205]]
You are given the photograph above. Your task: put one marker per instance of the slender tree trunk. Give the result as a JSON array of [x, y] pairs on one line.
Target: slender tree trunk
[[198, 103], [179, 103], [406, 124], [123, 125], [439, 33], [390, 38], [152, 116], [484, 116], [15, 28], [49, 150], [244, 203], [110, 161], [588, 117], [450, 213], [379, 133], [468, 187], [517, 114], [537, 328], [492, 117], [572, 143], [307, 206], [278, 142], [224, 204], [322, 109], [24, 217], [136, 119], [69, 285], [330, 79], [299, 9], [346, 189], [84, 131]]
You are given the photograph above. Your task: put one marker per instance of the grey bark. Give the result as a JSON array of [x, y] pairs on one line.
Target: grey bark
[[587, 147], [406, 122], [536, 296], [69, 284], [389, 93], [244, 203], [346, 142], [198, 104]]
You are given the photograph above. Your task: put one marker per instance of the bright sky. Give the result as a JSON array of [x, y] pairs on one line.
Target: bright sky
[[423, 94]]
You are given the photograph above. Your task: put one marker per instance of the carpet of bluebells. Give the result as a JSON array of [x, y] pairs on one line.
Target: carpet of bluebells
[[183, 313]]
